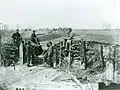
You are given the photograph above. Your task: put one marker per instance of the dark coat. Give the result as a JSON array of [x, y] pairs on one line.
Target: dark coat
[[17, 38]]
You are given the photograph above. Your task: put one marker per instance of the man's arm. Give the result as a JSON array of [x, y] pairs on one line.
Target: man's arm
[[20, 36], [50, 51], [13, 36]]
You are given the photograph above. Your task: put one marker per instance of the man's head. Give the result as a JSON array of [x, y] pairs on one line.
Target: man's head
[[34, 31], [23, 42], [50, 43], [17, 30], [29, 42]]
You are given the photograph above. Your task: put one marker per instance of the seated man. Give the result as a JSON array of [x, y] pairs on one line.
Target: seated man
[[34, 38], [38, 50]]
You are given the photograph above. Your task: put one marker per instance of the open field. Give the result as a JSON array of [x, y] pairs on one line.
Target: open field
[[6, 35], [98, 35], [107, 36], [112, 36]]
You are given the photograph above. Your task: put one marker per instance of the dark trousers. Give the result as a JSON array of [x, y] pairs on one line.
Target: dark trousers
[[51, 60], [16, 44], [29, 58], [51, 64]]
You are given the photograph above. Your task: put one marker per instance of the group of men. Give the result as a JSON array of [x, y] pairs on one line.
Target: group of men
[[32, 48]]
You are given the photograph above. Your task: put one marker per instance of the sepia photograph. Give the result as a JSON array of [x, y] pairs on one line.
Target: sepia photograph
[[59, 44]]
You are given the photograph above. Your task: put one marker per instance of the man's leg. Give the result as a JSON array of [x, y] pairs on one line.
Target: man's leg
[[51, 62], [17, 53], [32, 59], [28, 59]]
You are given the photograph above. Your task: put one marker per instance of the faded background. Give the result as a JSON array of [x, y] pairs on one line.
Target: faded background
[[60, 13]]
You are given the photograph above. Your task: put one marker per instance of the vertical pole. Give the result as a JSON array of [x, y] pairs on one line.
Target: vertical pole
[[65, 41], [85, 58], [102, 58], [114, 64], [69, 54], [21, 54], [114, 57], [60, 54], [66, 46], [55, 57], [110, 65]]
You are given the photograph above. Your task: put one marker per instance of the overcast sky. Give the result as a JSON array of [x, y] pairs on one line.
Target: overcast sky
[[60, 13]]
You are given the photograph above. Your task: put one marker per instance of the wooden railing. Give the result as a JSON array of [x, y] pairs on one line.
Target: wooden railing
[[71, 49]]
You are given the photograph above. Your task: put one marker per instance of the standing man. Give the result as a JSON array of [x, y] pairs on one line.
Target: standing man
[[29, 53], [45, 54], [34, 44], [51, 54], [17, 37], [17, 40]]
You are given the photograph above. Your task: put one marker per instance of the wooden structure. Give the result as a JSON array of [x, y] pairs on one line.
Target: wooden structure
[[89, 53], [9, 56]]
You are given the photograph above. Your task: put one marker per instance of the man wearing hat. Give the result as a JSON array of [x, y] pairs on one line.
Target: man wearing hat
[[34, 37], [17, 37], [17, 40]]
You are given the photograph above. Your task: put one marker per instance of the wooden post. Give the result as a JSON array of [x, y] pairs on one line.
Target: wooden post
[[66, 46], [60, 55], [114, 64], [69, 55], [114, 57], [21, 54], [109, 66], [102, 58], [65, 41], [55, 56], [85, 58]]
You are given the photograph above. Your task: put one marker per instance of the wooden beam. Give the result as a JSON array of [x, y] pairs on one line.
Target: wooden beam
[[102, 58], [69, 55]]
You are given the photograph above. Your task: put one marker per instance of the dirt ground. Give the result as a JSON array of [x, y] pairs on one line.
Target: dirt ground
[[37, 77]]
